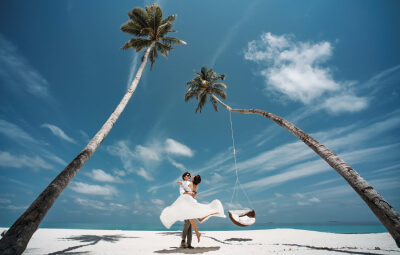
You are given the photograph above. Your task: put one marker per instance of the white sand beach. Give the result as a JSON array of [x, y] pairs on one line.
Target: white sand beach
[[275, 241]]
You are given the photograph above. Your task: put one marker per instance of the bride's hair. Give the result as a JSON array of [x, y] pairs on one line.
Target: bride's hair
[[197, 180]]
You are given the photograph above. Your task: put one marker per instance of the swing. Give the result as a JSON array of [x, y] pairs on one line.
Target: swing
[[244, 217]]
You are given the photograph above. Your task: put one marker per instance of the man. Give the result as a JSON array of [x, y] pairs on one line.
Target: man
[[187, 227]]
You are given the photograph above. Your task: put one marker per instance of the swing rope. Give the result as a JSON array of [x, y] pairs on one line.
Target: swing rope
[[237, 184]]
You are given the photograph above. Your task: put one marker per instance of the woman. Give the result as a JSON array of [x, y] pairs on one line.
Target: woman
[[186, 207]]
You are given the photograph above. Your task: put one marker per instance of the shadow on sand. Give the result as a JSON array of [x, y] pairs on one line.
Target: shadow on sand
[[196, 250], [227, 241], [90, 239], [332, 249]]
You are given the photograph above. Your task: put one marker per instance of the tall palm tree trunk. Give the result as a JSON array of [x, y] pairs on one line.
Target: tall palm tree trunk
[[17, 237], [379, 206]]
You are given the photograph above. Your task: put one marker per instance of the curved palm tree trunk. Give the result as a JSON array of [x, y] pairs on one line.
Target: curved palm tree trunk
[[17, 237], [379, 206]]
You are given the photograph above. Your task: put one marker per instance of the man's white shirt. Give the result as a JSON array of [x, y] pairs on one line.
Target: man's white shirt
[[184, 187]]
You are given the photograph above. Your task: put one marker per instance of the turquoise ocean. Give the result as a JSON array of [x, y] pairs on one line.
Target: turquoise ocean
[[329, 227]]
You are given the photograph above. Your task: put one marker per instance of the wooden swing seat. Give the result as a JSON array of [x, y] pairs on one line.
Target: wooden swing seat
[[242, 218]]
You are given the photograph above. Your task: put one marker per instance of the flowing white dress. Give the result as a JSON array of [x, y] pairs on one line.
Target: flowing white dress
[[186, 207]]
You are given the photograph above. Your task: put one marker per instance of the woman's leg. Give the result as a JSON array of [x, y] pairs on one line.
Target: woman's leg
[[194, 225], [201, 219]]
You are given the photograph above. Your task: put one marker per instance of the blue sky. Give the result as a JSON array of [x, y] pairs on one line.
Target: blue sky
[[330, 67]]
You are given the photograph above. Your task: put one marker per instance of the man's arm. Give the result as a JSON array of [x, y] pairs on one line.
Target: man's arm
[[188, 189]]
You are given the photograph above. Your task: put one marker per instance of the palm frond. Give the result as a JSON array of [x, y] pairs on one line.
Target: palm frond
[[153, 56], [163, 49], [217, 77], [157, 18], [203, 72], [192, 84], [140, 16], [196, 72], [170, 18], [221, 93], [133, 28], [172, 41], [137, 43], [189, 95], [148, 31], [209, 75], [220, 85], [214, 103], [202, 101], [166, 26]]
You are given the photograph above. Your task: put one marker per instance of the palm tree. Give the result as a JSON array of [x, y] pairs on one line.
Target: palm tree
[[205, 82], [149, 30], [204, 85]]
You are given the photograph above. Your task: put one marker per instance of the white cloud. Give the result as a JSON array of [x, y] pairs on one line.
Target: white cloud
[[385, 183], [121, 149], [298, 195], [100, 205], [85, 136], [145, 174], [286, 154], [16, 208], [300, 203], [345, 103], [147, 153], [334, 192], [176, 148], [217, 189], [176, 164], [297, 153], [4, 201], [325, 182], [318, 166], [149, 156], [95, 204], [101, 176], [18, 73], [279, 195], [298, 171], [16, 133], [158, 202], [314, 200], [98, 190], [295, 69], [58, 132], [55, 159], [9, 160], [214, 178], [232, 206], [119, 172], [149, 207], [114, 207], [133, 68], [232, 32]]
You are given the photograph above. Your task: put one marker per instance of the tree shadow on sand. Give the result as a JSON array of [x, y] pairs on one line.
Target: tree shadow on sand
[[91, 240], [333, 249]]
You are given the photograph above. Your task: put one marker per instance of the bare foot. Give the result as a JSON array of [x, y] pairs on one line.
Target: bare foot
[[198, 234]]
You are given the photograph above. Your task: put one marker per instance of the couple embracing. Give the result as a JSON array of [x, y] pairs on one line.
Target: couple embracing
[[186, 208]]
